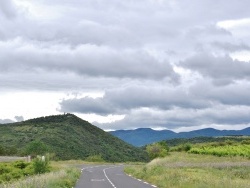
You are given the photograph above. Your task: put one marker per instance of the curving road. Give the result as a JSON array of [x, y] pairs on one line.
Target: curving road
[[108, 176]]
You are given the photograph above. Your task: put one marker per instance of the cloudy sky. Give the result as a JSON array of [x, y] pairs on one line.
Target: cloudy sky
[[124, 64]]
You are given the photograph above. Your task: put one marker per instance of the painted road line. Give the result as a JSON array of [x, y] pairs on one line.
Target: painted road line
[[97, 179], [141, 180], [104, 171]]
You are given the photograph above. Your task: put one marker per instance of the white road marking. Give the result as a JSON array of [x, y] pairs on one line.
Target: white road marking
[[92, 167], [97, 179], [141, 180], [104, 171]]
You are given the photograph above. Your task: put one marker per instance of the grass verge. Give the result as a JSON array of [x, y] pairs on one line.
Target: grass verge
[[60, 179], [173, 171]]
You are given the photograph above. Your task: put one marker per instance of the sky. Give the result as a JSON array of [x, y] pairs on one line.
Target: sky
[[127, 64]]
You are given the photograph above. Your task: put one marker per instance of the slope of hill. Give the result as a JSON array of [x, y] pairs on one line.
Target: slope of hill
[[143, 136], [69, 137]]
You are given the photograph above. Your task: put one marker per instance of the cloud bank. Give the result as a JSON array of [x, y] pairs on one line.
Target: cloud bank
[[160, 64]]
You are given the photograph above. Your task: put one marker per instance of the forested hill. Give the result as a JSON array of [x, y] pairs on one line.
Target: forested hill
[[68, 137]]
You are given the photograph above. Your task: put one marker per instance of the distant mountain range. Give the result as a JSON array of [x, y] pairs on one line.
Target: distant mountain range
[[143, 136]]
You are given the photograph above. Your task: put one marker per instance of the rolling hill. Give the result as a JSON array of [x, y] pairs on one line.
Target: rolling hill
[[143, 136], [68, 137]]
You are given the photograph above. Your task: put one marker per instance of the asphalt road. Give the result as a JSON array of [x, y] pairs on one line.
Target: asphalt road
[[108, 176]]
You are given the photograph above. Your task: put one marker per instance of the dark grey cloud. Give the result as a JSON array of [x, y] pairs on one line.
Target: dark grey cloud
[[236, 93], [174, 118], [90, 60], [43, 80], [120, 101], [222, 69], [160, 63], [230, 47], [202, 103], [201, 95]]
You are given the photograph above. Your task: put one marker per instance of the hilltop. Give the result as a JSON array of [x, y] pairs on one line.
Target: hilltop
[[68, 137]]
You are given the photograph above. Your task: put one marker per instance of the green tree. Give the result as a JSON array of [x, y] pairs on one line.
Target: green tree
[[1, 150], [159, 149], [36, 148]]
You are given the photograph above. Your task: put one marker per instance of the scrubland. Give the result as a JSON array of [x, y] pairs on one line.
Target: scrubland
[[20, 174], [206, 165]]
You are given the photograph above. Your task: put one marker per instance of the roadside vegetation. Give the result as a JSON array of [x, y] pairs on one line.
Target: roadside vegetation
[[217, 164], [39, 174], [223, 149], [64, 178]]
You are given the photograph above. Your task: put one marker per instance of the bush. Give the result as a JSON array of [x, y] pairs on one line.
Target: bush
[[41, 164], [187, 147], [21, 164], [182, 147], [159, 149], [95, 158], [15, 170]]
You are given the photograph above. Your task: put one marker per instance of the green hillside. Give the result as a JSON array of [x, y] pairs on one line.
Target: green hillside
[[68, 137]]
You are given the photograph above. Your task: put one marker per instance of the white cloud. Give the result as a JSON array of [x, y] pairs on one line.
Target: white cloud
[[28, 104], [241, 56]]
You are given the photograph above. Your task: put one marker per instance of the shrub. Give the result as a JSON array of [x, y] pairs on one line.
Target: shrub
[[21, 164], [155, 150], [41, 164], [15, 170], [182, 147], [95, 158], [187, 147]]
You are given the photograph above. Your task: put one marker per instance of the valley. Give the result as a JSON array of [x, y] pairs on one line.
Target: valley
[[76, 149]]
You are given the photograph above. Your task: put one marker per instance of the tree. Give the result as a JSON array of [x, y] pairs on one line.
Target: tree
[[36, 148], [159, 149], [1, 150]]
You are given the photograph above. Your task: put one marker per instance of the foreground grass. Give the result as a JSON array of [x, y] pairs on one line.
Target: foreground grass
[[60, 179], [182, 170], [64, 175]]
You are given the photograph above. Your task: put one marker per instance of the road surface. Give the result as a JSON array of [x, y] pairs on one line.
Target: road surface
[[108, 176]]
